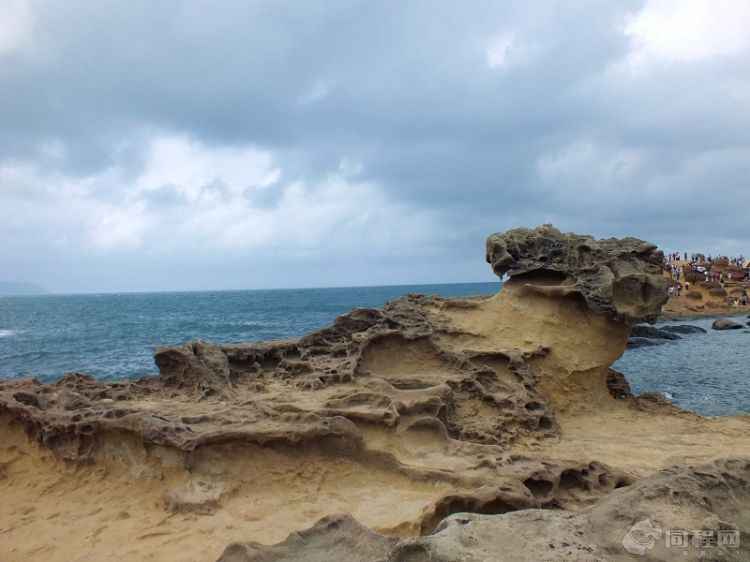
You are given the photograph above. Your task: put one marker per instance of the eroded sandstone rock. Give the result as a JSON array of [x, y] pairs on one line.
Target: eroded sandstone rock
[[620, 277], [337, 537], [197, 365], [711, 498], [631, 523], [403, 416]]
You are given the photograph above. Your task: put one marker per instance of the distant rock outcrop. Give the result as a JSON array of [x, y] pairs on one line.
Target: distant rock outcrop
[[643, 335], [684, 329], [636, 342], [726, 324], [652, 332], [620, 277]]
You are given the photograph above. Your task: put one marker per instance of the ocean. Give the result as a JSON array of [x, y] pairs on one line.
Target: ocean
[[703, 373], [114, 336]]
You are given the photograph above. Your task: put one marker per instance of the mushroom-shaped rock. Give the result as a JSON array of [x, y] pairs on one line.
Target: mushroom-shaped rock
[[619, 277]]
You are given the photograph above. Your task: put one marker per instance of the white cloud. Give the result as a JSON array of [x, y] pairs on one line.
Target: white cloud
[[690, 30], [16, 25], [506, 50], [115, 228], [213, 213], [190, 166], [499, 50], [40, 208]]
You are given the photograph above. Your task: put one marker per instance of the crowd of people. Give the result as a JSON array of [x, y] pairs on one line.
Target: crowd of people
[[702, 259], [717, 270]]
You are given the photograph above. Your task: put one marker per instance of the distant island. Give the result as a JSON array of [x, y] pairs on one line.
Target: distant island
[[10, 288]]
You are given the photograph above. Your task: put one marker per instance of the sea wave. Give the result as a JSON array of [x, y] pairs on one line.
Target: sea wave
[[7, 333]]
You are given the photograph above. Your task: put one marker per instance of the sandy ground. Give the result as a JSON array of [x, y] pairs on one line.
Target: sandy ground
[[641, 443], [116, 510]]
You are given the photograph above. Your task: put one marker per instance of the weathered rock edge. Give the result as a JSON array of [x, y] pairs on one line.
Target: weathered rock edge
[[71, 416], [619, 277], [628, 524]]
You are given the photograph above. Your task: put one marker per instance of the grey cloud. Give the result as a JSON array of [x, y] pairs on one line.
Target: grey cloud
[[404, 91]]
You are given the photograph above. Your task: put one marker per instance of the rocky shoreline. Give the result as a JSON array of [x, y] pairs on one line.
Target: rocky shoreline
[[718, 312], [708, 305], [647, 335], [431, 429]]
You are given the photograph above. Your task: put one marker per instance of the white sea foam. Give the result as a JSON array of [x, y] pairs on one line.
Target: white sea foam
[[7, 333]]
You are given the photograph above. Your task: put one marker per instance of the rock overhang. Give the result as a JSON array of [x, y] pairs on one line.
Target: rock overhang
[[622, 278]]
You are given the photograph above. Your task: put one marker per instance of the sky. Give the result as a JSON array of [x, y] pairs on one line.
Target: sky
[[180, 145]]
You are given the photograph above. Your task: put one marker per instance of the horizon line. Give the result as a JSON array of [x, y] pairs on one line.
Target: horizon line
[[166, 291]]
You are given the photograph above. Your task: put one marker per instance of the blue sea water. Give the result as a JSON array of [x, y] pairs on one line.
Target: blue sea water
[[114, 336], [705, 373]]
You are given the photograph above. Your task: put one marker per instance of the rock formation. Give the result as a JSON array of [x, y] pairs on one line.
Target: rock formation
[[649, 336], [726, 324], [620, 277], [651, 332], [636, 342], [631, 523], [683, 329], [400, 417]]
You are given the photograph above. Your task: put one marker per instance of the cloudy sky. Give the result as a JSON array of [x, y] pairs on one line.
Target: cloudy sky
[[247, 144]]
